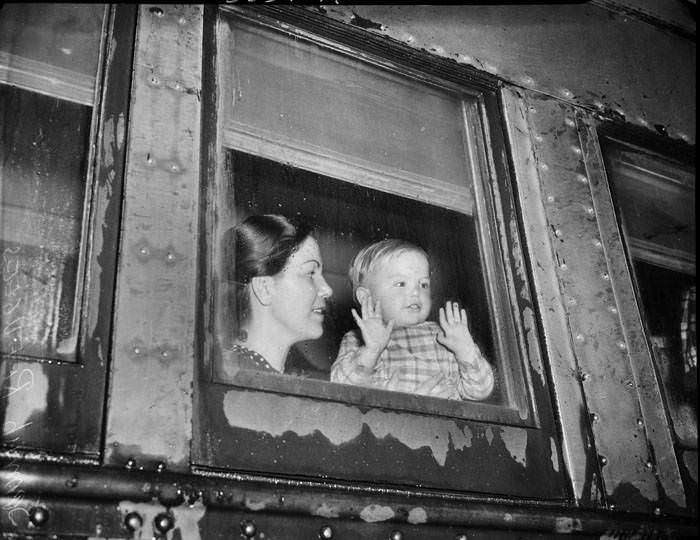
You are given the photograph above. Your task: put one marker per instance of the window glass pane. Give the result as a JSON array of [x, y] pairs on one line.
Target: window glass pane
[[51, 48], [348, 217], [289, 100], [45, 127], [655, 198]]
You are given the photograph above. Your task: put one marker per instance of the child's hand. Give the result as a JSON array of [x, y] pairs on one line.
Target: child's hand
[[374, 332], [453, 322]]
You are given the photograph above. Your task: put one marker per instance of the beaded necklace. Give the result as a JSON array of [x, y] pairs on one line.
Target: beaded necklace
[[251, 359]]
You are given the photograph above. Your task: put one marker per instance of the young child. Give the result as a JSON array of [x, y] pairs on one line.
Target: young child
[[399, 349]]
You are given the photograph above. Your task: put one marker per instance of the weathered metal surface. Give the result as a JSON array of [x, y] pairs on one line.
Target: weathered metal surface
[[581, 463], [248, 430], [579, 52], [149, 416], [57, 407], [605, 333], [90, 501]]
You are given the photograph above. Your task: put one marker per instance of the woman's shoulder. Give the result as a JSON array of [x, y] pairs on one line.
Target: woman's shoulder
[[249, 359]]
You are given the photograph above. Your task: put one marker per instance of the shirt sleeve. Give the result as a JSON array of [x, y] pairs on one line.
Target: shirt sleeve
[[346, 370], [476, 379]]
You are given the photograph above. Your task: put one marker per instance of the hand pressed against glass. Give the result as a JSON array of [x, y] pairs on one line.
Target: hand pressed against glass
[[456, 337]]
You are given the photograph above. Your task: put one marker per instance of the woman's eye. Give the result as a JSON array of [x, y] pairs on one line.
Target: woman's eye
[[425, 285], [400, 283]]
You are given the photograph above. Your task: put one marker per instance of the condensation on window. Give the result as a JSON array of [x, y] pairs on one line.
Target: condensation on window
[[49, 62]]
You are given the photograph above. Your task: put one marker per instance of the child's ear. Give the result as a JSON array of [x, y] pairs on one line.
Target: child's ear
[[262, 289], [361, 293]]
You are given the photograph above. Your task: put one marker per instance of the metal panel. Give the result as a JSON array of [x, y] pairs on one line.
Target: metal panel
[[601, 328], [57, 407], [153, 344], [613, 63]]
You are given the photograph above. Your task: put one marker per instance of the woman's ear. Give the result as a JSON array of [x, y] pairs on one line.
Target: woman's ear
[[361, 293], [262, 289]]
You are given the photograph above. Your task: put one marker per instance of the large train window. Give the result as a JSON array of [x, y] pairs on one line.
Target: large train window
[[655, 198], [58, 222], [363, 150]]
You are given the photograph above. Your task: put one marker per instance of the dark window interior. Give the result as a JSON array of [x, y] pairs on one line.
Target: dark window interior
[[347, 217]]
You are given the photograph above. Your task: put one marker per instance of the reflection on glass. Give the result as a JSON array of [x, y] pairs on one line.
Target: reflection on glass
[[655, 198], [48, 67], [346, 218]]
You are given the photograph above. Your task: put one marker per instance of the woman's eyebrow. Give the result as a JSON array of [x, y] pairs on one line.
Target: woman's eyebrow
[[318, 263]]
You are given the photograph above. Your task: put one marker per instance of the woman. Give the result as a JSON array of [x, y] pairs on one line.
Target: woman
[[280, 292]]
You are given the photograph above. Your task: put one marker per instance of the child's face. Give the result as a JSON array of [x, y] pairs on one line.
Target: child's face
[[402, 285]]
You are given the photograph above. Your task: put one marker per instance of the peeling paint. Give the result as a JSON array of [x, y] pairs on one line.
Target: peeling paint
[[553, 447], [567, 525], [690, 460], [324, 510], [515, 441], [343, 423], [26, 390], [376, 512], [186, 520], [417, 515]]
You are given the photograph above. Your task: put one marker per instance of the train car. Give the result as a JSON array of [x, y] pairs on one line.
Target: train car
[[543, 156]]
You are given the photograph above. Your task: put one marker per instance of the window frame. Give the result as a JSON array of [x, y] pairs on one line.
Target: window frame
[[507, 286], [73, 429]]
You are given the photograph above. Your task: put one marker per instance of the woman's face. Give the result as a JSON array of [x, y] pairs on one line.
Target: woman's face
[[299, 296]]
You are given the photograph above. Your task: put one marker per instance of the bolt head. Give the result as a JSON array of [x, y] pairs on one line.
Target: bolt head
[[133, 521], [326, 532], [38, 516], [163, 522], [248, 528]]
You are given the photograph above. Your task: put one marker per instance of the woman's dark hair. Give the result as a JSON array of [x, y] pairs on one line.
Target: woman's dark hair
[[260, 245]]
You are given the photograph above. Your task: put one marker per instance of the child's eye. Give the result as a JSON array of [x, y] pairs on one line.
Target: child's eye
[[400, 284], [425, 285]]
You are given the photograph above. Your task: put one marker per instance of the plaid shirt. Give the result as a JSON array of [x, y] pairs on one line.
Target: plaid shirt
[[412, 357]]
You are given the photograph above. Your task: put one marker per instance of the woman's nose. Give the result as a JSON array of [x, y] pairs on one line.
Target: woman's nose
[[324, 290]]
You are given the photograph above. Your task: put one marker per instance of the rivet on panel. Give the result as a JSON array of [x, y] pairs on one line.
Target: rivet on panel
[[590, 211], [568, 94], [178, 86], [550, 198], [461, 537], [640, 422], [182, 21], [163, 522], [569, 121], [131, 464], [580, 338], [136, 350], [544, 166], [325, 532], [144, 251], [613, 309], [558, 233], [597, 243], [527, 80], [594, 417], [576, 150], [133, 521], [563, 266], [396, 535], [649, 465], [39, 516], [164, 354], [160, 467], [174, 168], [582, 178], [605, 276], [603, 460], [584, 376], [538, 138], [170, 257], [657, 511], [622, 345], [149, 159], [154, 80], [248, 528], [532, 109]]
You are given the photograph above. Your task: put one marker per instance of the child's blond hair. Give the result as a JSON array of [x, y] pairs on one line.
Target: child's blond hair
[[373, 255]]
